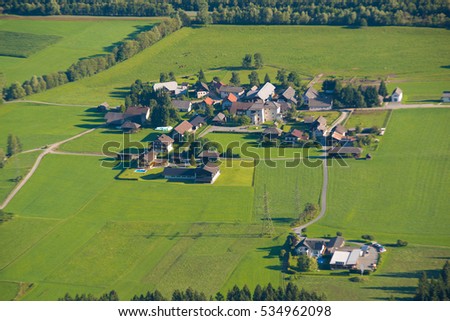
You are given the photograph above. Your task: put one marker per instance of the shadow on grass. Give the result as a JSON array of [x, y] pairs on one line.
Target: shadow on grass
[[273, 267], [228, 68], [119, 92], [412, 274], [283, 220], [273, 251], [394, 289]]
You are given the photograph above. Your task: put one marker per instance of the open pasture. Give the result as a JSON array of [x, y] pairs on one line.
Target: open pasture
[[190, 49]]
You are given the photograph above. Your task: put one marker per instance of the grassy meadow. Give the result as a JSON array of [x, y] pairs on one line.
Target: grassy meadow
[[22, 45], [77, 39], [366, 118], [185, 52], [402, 193], [37, 125]]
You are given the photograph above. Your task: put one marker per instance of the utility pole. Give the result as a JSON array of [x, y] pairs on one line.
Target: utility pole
[[268, 228]]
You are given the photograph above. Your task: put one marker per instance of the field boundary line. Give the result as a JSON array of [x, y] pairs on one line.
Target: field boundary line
[[44, 103]]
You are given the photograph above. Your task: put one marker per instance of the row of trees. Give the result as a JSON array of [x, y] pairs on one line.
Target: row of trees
[[258, 62], [91, 66], [436, 289], [261, 293], [431, 13], [350, 96]]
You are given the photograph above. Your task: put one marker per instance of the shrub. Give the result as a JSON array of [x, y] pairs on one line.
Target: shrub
[[401, 243], [367, 237]]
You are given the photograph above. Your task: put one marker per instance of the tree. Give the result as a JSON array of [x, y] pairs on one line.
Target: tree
[[371, 96], [13, 145], [247, 61], [258, 60], [2, 158], [382, 90], [203, 16], [185, 19], [201, 76], [209, 111], [281, 76], [15, 91], [266, 78], [235, 80], [253, 77], [192, 160], [163, 77], [307, 264], [294, 78], [244, 120], [172, 76]]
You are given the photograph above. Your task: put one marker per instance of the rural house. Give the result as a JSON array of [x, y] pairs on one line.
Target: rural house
[[219, 119], [317, 101], [229, 100], [113, 118], [445, 97], [271, 133], [163, 144], [202, 174], [288, 95], [345, 152], [172, 88], [182, 105], [137, 115], [311, 247], [197, 122], [182, 128], [294, 136], [201, 90], [224, 91], [130, 127], [397, 95], [147, 159]]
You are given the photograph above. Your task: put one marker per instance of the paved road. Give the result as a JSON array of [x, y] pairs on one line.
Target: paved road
[[50, 149], [344, 114]]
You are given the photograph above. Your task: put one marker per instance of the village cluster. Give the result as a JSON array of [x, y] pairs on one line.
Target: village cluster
[[264, 107]]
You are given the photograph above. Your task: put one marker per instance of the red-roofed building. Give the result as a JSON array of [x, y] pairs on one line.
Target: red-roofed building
[[208, 101], [227, 102]]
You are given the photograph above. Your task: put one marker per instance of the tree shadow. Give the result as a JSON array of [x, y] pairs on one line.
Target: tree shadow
[[283, 220], [394, 289], [273, 251], [351, 27], [446, 67], [119, 92], [273, 267], [412, 274], [228, 68]]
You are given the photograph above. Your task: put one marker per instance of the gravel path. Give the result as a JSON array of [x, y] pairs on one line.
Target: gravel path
[[50, 149]]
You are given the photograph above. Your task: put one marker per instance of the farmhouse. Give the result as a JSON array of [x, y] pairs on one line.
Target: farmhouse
[[137, 115], [147, 159], [183, 128], [182, 105], [202, 90], [294, 136], [266, 92], [163, 144], [224, 91], [202, 174], [344, 152], [229, 100], [318, 247], [446, 97], [259, 112], [219, 119], [271, 133], [197, 122], [319, 126], [288, 95], [317, 101], [345, 259], [114, 119], [397, 95], [171, 87], [339, 133], [130, 127]]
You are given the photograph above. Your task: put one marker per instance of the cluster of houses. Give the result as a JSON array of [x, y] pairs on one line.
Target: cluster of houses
[[340, 256]]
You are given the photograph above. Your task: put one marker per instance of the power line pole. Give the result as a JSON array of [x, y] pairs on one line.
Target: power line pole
[[268, 228]]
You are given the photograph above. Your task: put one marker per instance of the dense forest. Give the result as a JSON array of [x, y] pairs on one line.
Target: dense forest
[[261, 293], [435, 289], [431, 13]]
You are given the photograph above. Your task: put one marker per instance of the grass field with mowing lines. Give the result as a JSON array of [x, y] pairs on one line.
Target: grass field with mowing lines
[[401, 193], [79, 39], [8, 290], [305, 54], [55, 123], [22, 45], [367, 118]]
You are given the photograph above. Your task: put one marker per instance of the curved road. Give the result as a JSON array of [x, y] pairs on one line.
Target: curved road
[[323, 200], [50, 149]]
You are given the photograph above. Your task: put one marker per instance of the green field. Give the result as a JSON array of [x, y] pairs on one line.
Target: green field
[[22, 45], [367, 118], [401, 193], [78, 39], [305, 54], [37, 125]]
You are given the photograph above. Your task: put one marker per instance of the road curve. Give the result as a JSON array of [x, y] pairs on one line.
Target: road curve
[[50, 149]]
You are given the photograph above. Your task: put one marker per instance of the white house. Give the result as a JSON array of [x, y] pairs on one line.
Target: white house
[[397, 95], [172, 87], [266, 91]]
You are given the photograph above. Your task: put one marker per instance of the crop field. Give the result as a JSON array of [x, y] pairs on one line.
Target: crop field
[[22, 45], [185, 52], [403, 192], [77, 39], [55, 123]]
